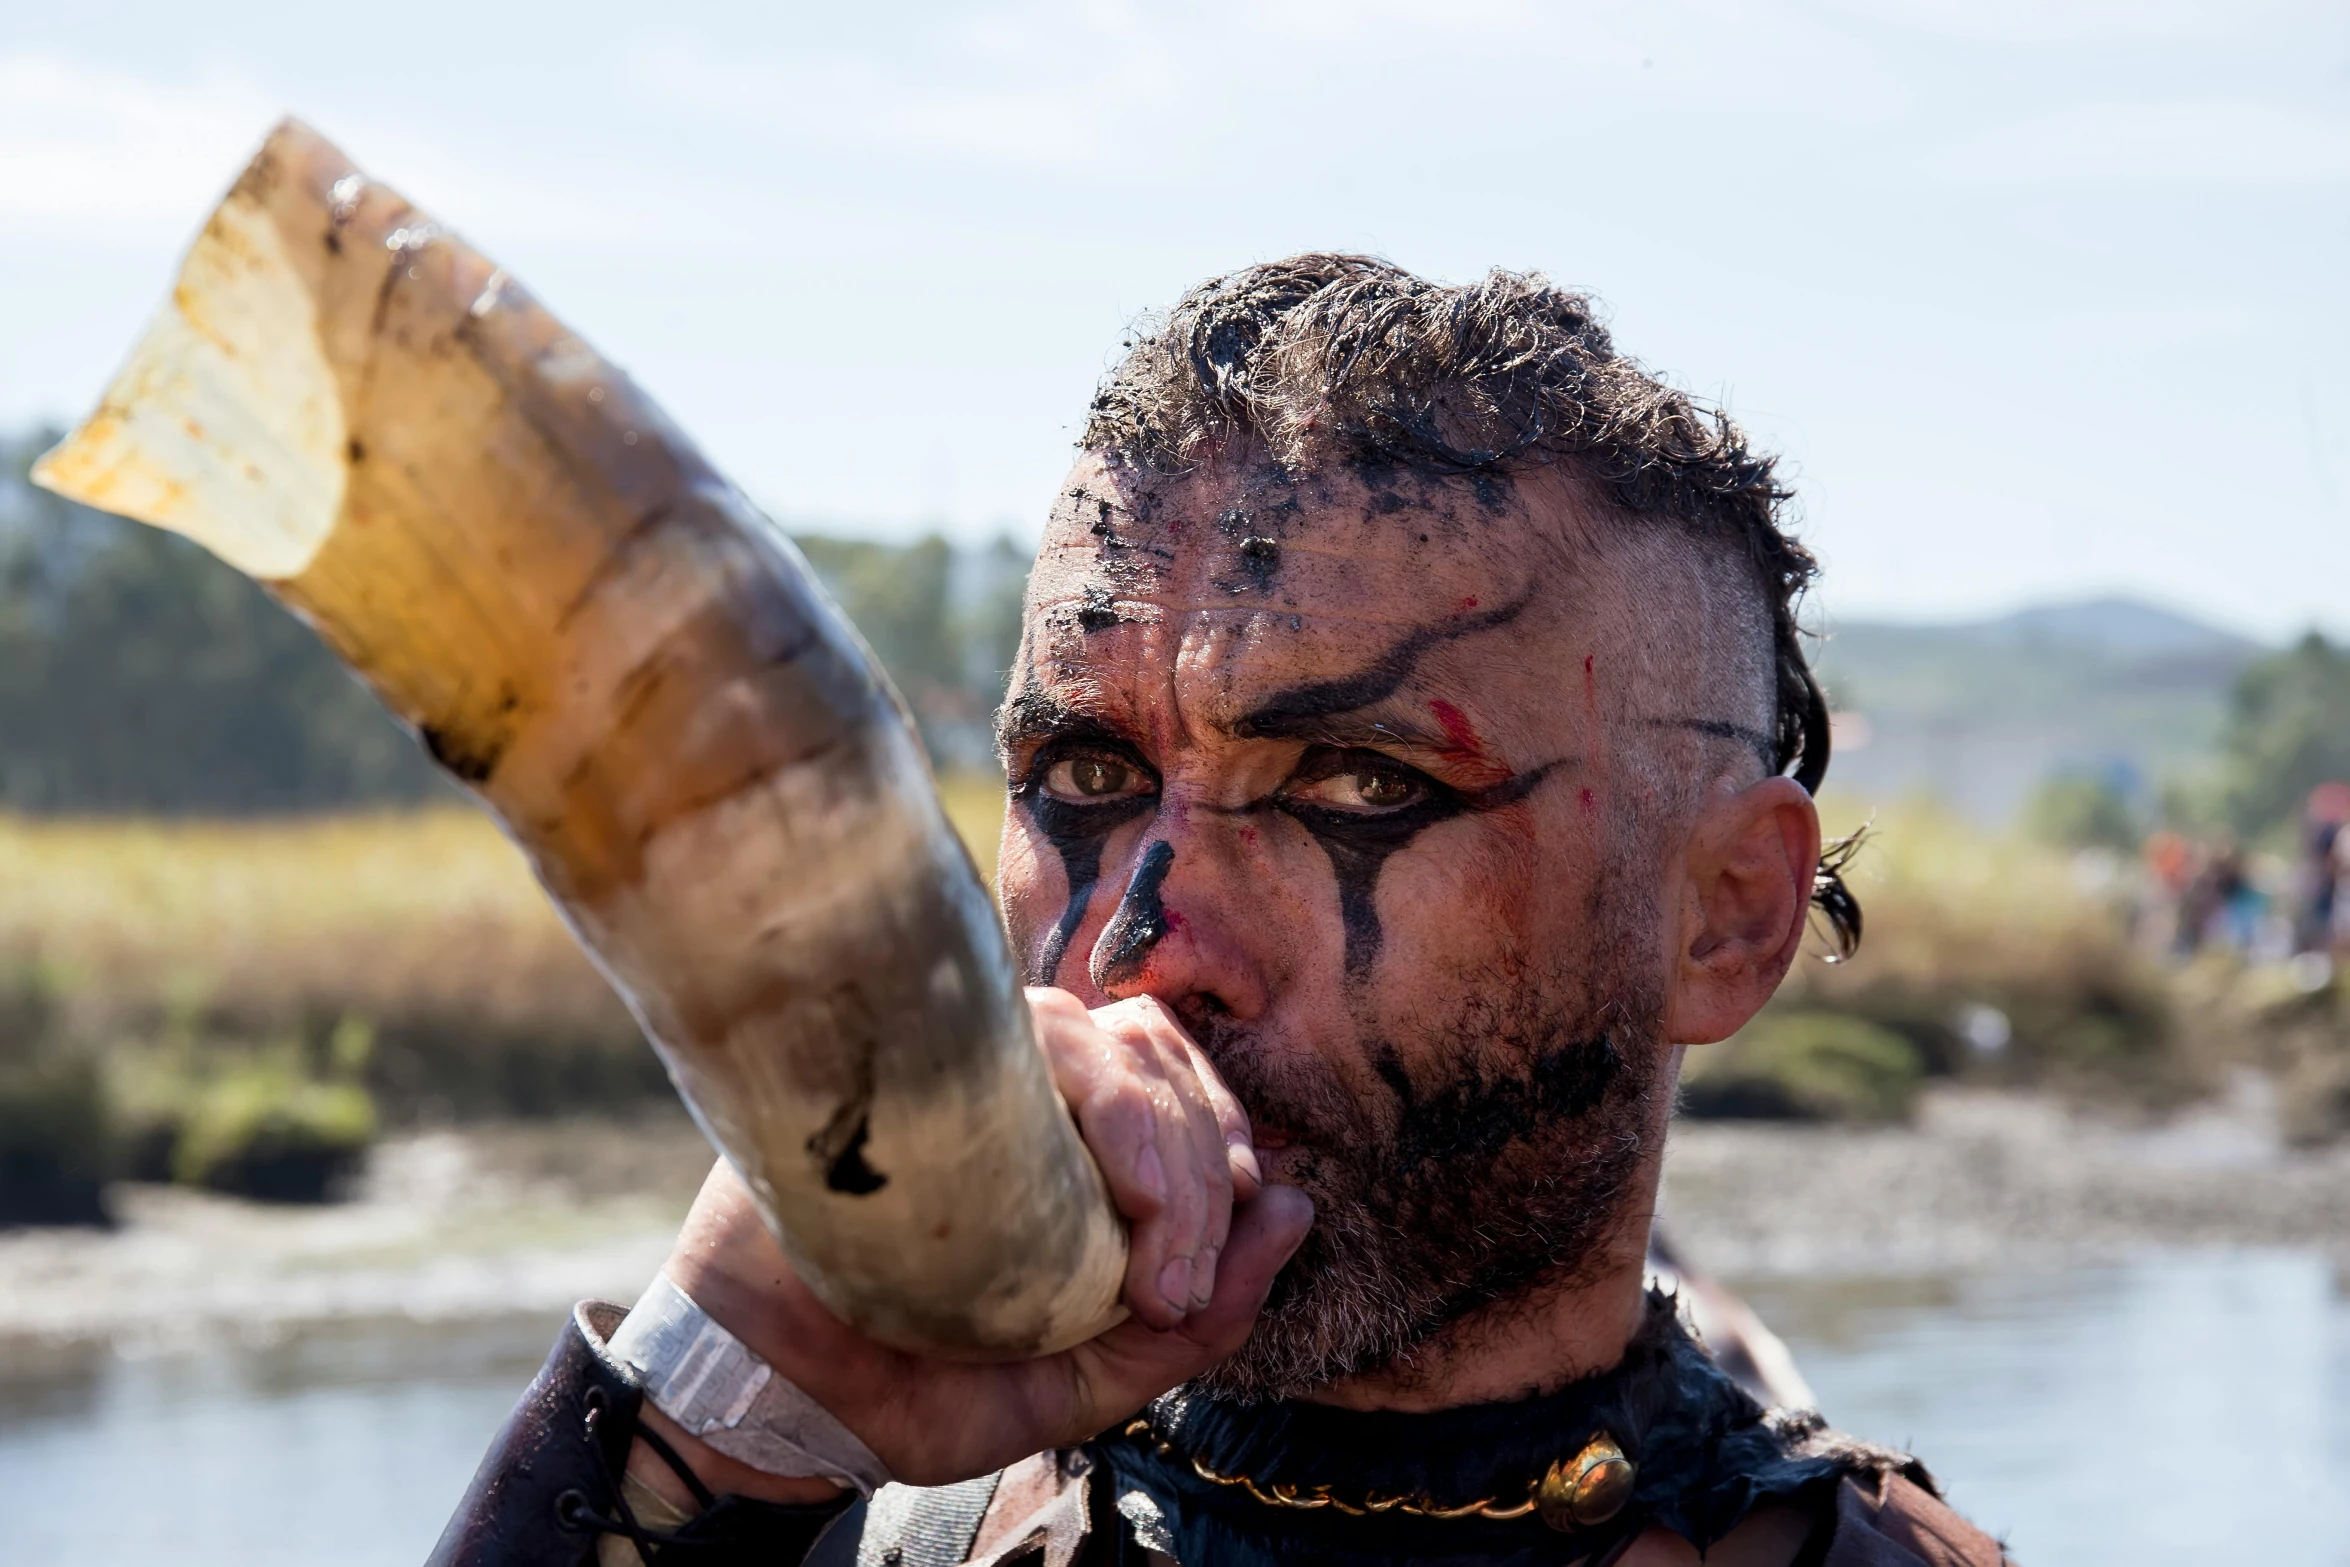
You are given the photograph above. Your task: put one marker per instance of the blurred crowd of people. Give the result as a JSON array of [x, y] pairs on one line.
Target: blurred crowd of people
[[2217, 893]]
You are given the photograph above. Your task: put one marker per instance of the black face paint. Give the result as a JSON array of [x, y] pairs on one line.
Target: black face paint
[[1140, 923], [1077, 833], [1294, 713], [1358, 843]]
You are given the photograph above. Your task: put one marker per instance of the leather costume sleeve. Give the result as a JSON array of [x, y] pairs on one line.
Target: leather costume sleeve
[[548, 1490]]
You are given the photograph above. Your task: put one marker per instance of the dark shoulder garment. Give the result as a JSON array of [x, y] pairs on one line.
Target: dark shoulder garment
[[1234, 1484]]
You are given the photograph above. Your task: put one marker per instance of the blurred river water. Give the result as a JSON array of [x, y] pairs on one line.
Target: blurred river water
[[2172, 1406]]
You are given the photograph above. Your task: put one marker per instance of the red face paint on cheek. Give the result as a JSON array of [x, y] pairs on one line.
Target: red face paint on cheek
[[1248, 835], [1469, 603], [1588, 800]]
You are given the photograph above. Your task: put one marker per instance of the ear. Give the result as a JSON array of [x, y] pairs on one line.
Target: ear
[[1745, 899]]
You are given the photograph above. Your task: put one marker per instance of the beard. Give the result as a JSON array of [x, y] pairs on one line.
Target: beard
[[1501, 1162]]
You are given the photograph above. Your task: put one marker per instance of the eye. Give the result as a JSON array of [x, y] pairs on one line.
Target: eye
[[1092, 778], [1360, 784]]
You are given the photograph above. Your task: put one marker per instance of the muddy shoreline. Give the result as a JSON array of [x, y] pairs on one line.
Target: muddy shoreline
[[1999, 1179], [521, 1220]]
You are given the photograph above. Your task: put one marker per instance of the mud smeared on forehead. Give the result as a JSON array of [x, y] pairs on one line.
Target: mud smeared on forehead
[[1230, 526]]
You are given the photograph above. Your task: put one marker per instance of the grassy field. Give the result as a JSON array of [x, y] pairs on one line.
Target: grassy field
[[244, 1005], [247, 1003], [427, 928], [259, 923]]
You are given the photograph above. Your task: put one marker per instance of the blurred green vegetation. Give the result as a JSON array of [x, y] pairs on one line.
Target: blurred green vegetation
[[2078, 811], [2288, 730], [1990, 958], [1800, 1065], [944, 622], [58, 1143], [270, 1132], [139, 675]]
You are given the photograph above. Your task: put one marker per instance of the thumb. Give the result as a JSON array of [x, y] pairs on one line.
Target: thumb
[[1266, 1232], [1134, 1363]]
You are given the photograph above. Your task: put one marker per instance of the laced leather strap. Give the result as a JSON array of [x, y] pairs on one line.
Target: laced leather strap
[[551, 1486]]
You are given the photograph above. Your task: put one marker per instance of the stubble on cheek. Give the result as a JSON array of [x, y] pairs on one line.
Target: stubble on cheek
[[1485, 1141]]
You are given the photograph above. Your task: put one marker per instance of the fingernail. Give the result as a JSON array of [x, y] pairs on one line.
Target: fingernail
[[1203, 1278], [1149, 1174], [1244, 1159], [1175, 1283]]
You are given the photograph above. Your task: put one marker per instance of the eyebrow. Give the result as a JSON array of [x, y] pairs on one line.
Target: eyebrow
[[1333, 712], [1032, 713], [1360, 729], [1305, 712]]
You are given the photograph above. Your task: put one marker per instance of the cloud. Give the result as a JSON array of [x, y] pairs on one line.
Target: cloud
[[2058, 22], [1238, 88], [86, 145], [2210, 141]]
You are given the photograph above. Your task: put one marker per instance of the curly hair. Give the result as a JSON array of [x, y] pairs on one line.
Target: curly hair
[[1329, 359]]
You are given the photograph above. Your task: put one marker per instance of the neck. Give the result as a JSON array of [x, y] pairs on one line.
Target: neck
[[1530, 1344]]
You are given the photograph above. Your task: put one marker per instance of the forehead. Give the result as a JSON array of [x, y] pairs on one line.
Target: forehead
[[1265, 607], [1235, 582], [1236, 547]]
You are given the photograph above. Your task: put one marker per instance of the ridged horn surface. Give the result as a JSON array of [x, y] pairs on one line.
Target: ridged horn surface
[[636, 671]]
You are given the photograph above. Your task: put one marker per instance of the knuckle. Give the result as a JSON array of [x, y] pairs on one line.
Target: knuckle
[[1188, 1213], [1120, 1108], [1219, 1174], [1157, 1015], [1049, 1001], [1122, 1017]]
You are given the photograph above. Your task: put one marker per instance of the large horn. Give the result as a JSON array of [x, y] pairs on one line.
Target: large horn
[[635, 670]]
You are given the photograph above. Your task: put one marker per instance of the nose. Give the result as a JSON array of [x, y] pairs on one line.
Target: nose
[[1175, 933], [1138, 924]]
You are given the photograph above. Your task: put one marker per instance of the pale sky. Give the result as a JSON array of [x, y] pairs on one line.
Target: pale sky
[[2039, 299]]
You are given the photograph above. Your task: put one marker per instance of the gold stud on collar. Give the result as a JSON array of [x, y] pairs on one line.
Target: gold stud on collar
[[1588, 1489]]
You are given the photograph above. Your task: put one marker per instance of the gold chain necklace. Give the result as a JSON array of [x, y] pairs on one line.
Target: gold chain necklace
[[1576, 1493]]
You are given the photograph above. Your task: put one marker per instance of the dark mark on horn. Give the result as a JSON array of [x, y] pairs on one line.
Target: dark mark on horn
[[471, 758], [839, 1147]]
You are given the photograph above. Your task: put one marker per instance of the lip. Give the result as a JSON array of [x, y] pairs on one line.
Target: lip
[[1269, 1139]]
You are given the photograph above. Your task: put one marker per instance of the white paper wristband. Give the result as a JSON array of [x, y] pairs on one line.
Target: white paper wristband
[[712, 1384]]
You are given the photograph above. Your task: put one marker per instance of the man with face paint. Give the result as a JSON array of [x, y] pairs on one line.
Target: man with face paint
[[1410, 755]]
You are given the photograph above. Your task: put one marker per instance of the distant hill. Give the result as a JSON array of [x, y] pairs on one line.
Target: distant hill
[[1980, 713]]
